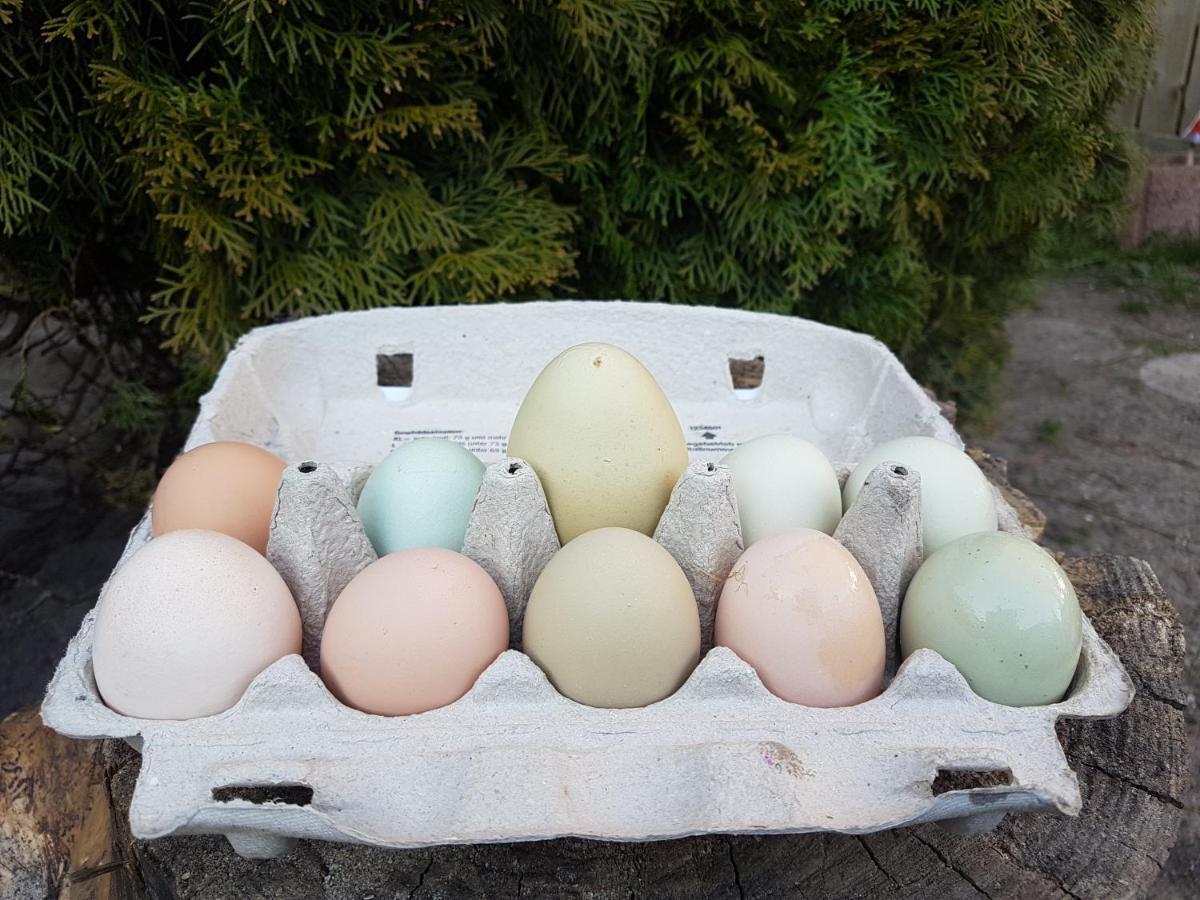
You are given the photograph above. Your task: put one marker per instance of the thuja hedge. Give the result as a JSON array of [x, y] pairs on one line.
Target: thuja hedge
[[885, 165]]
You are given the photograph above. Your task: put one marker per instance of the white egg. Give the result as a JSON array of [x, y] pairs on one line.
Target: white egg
[[783, 482], [186, 623], [956, 497]]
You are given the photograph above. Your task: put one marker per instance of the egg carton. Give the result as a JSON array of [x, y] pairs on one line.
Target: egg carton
[[513, 759]]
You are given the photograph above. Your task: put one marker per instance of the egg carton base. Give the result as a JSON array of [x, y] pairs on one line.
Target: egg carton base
[[514, 760]]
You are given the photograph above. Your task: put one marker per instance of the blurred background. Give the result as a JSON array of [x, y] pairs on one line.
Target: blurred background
[[1002, 192]]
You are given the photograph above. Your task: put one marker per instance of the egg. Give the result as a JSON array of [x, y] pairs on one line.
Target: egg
[[1002, 610], [798, 607], [225, 486], [783, 482], [421, 495], [603, 438], [186, 623], [612, 620], [956, 497], [412, 631]]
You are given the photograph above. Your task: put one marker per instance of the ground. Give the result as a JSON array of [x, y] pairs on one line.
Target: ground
[[1100, 419], [1100, 422]]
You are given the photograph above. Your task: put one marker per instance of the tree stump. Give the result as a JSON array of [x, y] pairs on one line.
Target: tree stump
[[64, 808]]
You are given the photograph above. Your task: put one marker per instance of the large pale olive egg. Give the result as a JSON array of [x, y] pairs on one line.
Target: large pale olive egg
[[421, 495], [186, 623], [956, 498], [783, 482], [412, 631], [1003, 611], [603, 439], [225, 486], [612, 620], [798, 607]]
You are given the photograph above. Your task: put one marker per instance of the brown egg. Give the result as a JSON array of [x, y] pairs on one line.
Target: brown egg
[[226, 486]]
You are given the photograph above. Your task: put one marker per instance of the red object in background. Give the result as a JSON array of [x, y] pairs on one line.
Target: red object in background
[[1191, 134]]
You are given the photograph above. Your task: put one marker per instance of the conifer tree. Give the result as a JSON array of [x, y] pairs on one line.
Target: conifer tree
[[879, 164]]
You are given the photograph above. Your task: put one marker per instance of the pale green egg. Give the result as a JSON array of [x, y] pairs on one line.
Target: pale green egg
[[956, 498], [783, 482], [421, 495], [1003, 611]]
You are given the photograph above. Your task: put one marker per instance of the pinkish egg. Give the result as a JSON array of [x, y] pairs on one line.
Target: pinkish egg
[[412, 632], [798, 607]]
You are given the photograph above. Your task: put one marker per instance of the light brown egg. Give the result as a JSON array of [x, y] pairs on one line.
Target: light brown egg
[[798, 607], [412, 632], [225, 486]]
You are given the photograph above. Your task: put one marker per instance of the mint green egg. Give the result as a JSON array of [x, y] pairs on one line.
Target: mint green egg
[[1003, 611], [421, 495]]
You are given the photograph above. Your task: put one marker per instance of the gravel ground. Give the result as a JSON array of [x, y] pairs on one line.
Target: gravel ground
[[1100, 422]]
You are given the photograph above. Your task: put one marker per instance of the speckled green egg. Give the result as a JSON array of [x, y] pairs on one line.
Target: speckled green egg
[[1003, 611]]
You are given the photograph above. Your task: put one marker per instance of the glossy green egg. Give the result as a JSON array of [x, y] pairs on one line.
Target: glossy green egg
[[1003, 611]]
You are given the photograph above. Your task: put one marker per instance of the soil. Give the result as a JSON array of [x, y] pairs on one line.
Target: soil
[[1100, 422]]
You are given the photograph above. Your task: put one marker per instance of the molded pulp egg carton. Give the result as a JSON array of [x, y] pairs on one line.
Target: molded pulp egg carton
[[513, 759]]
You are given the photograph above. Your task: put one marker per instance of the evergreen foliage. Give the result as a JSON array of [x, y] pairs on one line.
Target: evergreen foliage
[[883, 165]]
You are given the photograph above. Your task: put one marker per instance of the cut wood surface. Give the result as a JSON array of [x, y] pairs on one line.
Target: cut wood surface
[[64, 811]]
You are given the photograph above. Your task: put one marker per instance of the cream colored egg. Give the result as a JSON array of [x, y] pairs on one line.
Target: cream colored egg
[[186, 623], [798, 607], [603, 439], [612, 620]]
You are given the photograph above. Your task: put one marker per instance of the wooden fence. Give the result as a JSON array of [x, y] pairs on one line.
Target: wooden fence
[[1172, 98]]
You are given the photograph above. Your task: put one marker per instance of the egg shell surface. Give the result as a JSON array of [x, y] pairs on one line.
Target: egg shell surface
[[225, 486], [612, 620], [956, 497], [783, 482], [186, 623], [413, 631], [421, 495], [603, 439], [1002, 610], [798, 607]]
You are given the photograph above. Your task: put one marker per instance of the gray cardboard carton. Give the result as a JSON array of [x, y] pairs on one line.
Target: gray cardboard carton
[[513, 759]]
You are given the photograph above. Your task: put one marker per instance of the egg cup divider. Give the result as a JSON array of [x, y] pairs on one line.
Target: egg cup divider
[[515, 760]]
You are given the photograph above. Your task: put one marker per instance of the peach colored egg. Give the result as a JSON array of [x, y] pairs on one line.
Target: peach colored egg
[[225, 486], [186, 623], [798, 607], [412, 632]]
